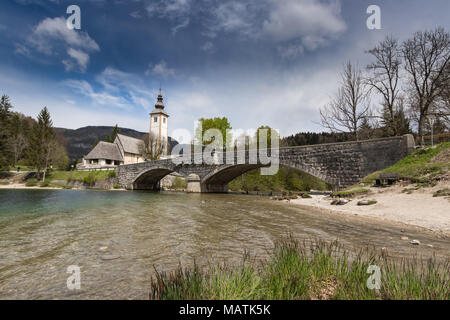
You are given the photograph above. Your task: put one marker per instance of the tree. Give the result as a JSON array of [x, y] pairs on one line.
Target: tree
[[152, 148], [5, 117], [18, 136], [42, 143], [443, 103], [384, 79], [221, 124], [427, 56], [270, 132], [113, 135], [350, 108]]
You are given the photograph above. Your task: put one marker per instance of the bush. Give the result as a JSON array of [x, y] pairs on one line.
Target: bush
[[44, 184], [116, 186], [306, 196], [179, 183], [112, 174], [90, 179], [31, 183]]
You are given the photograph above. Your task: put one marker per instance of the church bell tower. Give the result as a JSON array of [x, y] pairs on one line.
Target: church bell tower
[[159, 126]]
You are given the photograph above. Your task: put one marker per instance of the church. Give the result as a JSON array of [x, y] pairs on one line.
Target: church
[[126, 150]]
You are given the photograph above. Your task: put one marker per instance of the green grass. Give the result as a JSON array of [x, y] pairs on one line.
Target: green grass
[[442, 193], [79, 175], [287, 179], [298, 270], [350, 192], [31, 182], [417, 166], [45, 183]]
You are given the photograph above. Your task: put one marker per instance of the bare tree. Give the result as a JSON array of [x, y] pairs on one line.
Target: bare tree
[[152, 148], [384, 79], [350, 108], [443, 104], [427, 56]]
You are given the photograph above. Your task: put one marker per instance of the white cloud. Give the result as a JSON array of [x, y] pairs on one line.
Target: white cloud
[[208, 47], [160, 69], [50, 35], [232, 16], [136, 15], [81, 59], [177, 11], [49, 30], [290, 51], [313, 21], [102, 98]]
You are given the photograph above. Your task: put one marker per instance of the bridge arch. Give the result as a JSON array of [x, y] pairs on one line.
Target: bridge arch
[[150, 179], [218, 180]]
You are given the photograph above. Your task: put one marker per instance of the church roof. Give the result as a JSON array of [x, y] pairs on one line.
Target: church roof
[[129, 144], [105, 150]]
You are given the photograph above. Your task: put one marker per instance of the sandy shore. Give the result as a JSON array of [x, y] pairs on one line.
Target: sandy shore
[[419, 208]]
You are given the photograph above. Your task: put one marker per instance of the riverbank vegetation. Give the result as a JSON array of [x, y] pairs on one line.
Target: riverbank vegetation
[[298, 270], [426, 166], [286, 179]]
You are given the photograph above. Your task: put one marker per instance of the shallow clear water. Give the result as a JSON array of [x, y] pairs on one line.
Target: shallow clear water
[[42, 232]]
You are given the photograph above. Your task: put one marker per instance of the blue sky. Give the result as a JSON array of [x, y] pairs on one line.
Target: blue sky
[[260, 62]]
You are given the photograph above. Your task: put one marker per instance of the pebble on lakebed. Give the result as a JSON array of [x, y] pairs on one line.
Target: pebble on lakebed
[[415, 242]]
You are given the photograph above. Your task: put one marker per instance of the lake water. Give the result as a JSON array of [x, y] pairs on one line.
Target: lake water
[[42, 232]]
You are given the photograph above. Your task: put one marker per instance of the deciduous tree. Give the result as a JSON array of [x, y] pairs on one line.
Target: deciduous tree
[[350, 108], [427, 57]]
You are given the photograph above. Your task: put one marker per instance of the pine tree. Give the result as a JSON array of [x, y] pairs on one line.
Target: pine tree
[[5, 117], [41, 143]]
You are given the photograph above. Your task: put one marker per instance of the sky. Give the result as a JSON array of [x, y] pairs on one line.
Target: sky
[[260, 62]]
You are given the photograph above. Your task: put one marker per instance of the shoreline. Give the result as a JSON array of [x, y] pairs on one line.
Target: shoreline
[[419, 209]]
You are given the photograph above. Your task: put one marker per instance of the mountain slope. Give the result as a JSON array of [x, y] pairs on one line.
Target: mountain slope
[[79, 142]]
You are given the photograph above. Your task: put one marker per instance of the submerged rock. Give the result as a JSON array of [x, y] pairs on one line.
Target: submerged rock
[[110, 257], [415, 242], [404, 238]]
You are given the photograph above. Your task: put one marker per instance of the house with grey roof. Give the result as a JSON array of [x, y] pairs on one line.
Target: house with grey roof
[[107, 155]]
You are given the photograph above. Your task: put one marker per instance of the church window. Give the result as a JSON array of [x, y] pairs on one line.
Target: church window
[[164, 120], [155, 119]]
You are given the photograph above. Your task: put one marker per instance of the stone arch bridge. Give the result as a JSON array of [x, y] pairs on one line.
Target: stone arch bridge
[[339, 164]]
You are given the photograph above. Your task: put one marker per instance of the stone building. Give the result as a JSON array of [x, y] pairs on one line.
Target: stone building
[[127, 150]]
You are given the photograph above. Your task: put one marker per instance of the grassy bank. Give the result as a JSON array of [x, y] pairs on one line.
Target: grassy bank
[[63, 179], [307, 271], [421, 166], [287, 179]]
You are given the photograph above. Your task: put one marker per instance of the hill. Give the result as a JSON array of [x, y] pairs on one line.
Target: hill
[[79, 142]]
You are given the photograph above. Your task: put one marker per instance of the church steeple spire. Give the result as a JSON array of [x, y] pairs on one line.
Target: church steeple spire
[[159, 103]]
